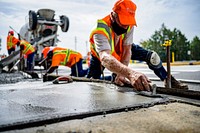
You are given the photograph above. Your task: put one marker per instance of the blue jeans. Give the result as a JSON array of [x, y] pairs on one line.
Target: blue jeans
[[30, 59], [138, 53], [80, 70], [96, 69]]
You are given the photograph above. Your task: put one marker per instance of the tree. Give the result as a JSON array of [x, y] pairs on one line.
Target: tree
[[195, 47], [180, 45]]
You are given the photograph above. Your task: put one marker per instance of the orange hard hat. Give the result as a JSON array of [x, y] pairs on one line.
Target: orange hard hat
[[125, 10], [11, 32]]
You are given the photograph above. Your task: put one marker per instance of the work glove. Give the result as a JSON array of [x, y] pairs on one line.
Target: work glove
[[140, 81], [121, 80]]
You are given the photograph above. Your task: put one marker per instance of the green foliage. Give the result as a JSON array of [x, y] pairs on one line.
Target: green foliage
[[195, 48], [180, 45]]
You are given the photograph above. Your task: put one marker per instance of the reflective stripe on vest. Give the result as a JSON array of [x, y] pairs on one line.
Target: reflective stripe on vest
[[10, 43], [66, 52], [102, 27], [28, 47]]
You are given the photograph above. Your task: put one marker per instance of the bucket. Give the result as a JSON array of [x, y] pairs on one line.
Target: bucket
[[47, 14]]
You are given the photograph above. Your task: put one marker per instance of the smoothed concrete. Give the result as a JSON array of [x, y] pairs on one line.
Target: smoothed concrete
[[167, 118], [31, 102]]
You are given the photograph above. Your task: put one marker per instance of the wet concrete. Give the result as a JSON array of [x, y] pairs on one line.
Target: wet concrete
[[32, 102], [173, 117], [14, 77]]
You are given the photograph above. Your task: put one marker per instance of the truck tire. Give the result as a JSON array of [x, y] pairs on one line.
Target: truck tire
[[65, 23], [32, 20]]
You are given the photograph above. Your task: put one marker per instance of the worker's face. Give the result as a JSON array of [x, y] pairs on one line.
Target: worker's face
[[117, 26]]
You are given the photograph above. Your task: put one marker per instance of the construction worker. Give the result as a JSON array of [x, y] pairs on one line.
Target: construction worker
[[11, 42], [26, 49], [110, 44], [45, 61], [11, 45], [66, 57], [46, 50]]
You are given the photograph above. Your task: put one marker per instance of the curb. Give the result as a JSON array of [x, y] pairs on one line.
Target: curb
[[183, 63], [171, 64], [182, 80]]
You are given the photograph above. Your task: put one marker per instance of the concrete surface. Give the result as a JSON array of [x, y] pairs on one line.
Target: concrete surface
[[19, 106], [7, 78], [170, 118], [26, 103]]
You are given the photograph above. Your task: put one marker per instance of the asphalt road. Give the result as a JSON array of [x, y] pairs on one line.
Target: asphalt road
[[189, 74], [184, 72]]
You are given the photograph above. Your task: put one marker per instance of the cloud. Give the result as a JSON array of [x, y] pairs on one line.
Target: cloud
[[181, 14], [81, 13]]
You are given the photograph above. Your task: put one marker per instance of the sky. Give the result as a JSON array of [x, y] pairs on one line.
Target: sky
[[83, 14]]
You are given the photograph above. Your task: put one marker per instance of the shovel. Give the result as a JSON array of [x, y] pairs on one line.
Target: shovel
[[15, 65]]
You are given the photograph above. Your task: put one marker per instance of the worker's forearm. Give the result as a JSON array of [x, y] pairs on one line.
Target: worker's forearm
[[115, 66], [126, 59], [126, 56]]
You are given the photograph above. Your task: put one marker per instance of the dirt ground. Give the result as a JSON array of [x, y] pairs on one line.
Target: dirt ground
[[170, 118]]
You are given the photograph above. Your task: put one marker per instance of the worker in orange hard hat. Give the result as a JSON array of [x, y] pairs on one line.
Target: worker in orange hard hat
[[11, 45], [110, 44], [66, 57], [112, 47], [11, 42]]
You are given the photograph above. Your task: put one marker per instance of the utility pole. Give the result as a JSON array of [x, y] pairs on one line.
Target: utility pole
[[0, 44], [167, 44], [75, 42], [86, 46]]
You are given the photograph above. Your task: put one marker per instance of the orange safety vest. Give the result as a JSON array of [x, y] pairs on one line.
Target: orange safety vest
[[11, 42], [28, 48], [47, 49], [67, 57], [104, 28]]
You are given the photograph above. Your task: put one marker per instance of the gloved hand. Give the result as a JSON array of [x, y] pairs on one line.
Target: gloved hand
[[140, 81], [121, 80]]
